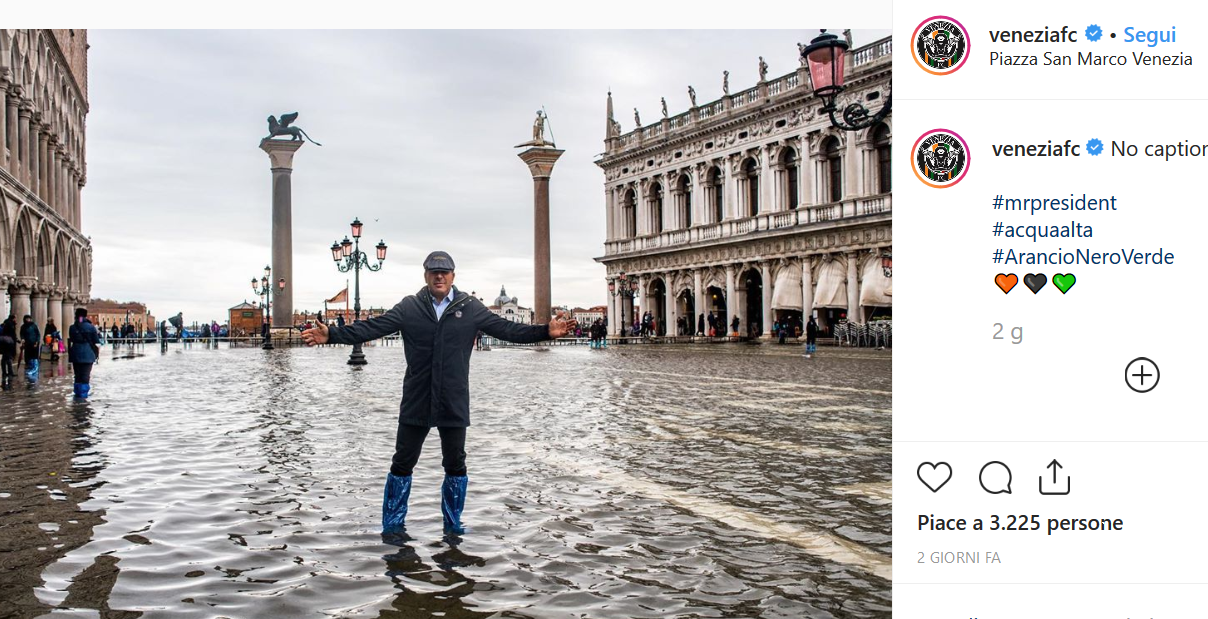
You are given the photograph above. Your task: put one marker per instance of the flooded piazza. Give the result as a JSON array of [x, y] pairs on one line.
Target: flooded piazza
[[725, 480]]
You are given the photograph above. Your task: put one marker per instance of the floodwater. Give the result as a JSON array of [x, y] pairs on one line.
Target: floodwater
[[676, 481]]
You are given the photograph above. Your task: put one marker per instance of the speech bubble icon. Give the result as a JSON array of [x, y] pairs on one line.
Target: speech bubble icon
[[995, 478]]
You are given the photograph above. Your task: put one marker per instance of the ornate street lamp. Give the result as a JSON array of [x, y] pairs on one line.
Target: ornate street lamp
[[348, 257], [824, 57], [264, 288], [887, 264]]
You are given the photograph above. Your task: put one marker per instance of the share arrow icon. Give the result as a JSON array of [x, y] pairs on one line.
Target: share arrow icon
[[1055, 489]]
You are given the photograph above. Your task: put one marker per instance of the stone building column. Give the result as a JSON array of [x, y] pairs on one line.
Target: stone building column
[[37, 305], [853, 289], [731, 299], [671, 299], [4, 86], [765, 272], [733, 211], [805, 173], [851, 175], [23, 114], [767, 203], [612, 309], [699, 293], [68, 312], [281, 163], [540, 161], [19, 294], [43, 180], [14, 131], [54, 309], [610, 218], [807, 290], [78, 184]]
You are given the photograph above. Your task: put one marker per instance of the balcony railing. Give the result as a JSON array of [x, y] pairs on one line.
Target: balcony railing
[[803, 217]]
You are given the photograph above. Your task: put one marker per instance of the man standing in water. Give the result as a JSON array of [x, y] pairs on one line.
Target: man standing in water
[[438, 324]]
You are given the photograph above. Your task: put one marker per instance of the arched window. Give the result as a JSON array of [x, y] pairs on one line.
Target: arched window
[[790, 170], [685, 197], [656, 201], [629, 212], [751, 169], [717, 187], [834, 168], [881, 140]]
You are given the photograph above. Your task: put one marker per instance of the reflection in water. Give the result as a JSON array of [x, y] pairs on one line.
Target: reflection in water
[[655, 482]]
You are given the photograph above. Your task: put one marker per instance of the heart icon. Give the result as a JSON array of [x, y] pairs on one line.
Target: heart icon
[[1035, 281], [934, 476], [1063, 282], [1006, 282]]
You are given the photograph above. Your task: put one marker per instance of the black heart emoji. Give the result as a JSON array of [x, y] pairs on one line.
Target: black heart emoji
[[1035, 281]]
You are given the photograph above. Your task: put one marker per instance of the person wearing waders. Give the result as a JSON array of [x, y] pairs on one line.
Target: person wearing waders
[[83, 351], [438, 326]]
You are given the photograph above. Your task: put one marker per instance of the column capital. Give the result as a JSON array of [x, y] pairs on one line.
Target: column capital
[[24, 284], [540, 160], [281, 152], [56, 294]]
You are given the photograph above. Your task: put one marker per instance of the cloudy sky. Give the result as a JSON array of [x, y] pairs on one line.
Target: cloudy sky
[[418, 130]]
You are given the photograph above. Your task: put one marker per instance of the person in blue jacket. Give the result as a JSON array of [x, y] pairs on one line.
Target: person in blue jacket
[[83, 350], [438, 325], [31, 345]]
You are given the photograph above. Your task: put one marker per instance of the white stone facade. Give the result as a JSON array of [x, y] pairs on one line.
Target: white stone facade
[[45, 261], [754, 205], [509, 308]]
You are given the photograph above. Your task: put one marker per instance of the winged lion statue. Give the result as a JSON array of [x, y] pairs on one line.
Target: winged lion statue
[[283, 127]]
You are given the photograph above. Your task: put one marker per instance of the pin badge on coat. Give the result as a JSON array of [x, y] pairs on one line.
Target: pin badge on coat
[[457, 314]]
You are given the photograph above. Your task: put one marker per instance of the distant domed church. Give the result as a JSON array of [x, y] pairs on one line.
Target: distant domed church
[[509, 308]]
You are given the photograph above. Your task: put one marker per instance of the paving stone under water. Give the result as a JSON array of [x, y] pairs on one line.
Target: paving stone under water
[[640, 481]]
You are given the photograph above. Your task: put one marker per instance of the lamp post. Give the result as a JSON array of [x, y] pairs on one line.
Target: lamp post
[[627, 288], [264, 288], [824, 57], [349, 257]]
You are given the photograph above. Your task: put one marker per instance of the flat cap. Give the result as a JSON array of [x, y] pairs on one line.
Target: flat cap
[[438, 261]]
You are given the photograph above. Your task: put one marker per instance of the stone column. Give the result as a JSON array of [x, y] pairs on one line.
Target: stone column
[[731, 187], [77, 185], [731, 299], [853, 289], [671, 314], [851, 175], [54, 309], [23, 143], [807, 290], [612, 310], [765, 272], [540, 161], [68, 309], [281, 160], [43, 180], [37, 303], [19, 292], [699, 291], [609, 216], [805, 172], [4, 86], [767, 202], [10, 141]]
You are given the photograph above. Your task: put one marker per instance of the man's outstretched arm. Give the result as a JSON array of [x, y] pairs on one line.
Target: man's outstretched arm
[[509, 331], [356, 332]]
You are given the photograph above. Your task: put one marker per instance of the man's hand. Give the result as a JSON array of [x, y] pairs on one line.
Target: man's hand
[[559, 327], [316, 335]]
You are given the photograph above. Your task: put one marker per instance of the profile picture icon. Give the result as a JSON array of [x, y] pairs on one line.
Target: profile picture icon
[[941, 158], [941, 45]]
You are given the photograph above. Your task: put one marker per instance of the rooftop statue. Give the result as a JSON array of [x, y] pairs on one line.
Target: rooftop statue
[[283, 128], [538, 132]]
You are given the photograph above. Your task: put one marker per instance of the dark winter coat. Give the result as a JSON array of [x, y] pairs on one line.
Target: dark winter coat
[[436, 388], [811, 332], [30, 335], [84, 342]]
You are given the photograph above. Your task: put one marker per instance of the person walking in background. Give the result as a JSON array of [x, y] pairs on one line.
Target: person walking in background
[[734, 325], [438, 326], [83, 351], [8, 347], [30, 341], [811, 338], [50, 333]]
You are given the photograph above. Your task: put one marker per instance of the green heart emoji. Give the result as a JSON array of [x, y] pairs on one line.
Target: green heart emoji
[[1063, 282]]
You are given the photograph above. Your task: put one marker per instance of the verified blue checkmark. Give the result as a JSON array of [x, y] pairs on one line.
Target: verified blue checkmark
[[1094, 147], [1093, 33]]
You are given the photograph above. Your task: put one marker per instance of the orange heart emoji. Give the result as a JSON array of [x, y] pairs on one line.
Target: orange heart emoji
[[1006, 282]]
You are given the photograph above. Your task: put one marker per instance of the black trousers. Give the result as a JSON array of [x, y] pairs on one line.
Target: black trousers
[[83, 372], [410, 440], [6, 365]]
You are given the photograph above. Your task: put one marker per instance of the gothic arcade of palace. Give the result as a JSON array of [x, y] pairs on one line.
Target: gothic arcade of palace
[[754, 206], [45, 261]]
